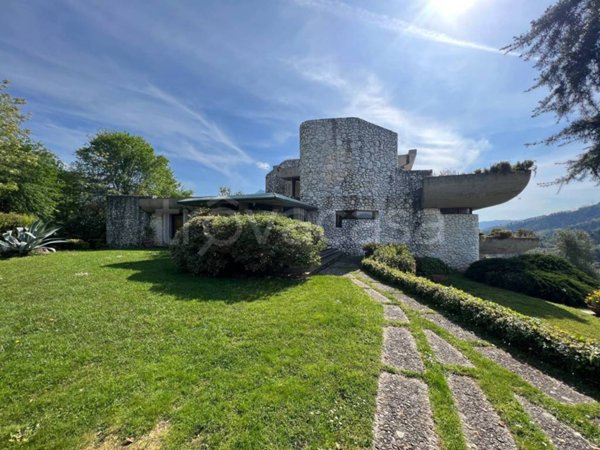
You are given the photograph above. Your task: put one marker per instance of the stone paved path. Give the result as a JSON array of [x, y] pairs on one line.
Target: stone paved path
[[404, 417]]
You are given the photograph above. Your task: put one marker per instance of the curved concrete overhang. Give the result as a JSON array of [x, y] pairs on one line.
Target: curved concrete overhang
[[475, 191]]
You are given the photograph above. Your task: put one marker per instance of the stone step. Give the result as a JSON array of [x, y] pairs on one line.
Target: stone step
[[562, 436], [400, 350], [482, 427], [547, 384], [403, 418], [394, 312], [445, 352]]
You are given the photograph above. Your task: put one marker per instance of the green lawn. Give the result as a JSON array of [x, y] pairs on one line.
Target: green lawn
[[573, 320], [106, 345]]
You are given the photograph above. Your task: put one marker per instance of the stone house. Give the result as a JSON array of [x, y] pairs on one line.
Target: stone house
[[350, 179]]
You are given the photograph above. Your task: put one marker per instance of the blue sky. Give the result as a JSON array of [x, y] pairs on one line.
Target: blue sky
[[220, 87]]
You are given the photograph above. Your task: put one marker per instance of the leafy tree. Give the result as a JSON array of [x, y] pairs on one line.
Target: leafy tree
[[577, 247], [565, 45], [123, 164], [28, 172], [225, 191]]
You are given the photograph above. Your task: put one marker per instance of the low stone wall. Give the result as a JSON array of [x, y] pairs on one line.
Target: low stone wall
[[505, 248]]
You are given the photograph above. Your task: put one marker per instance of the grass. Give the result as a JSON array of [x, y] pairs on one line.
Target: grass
[[499, 385], [574, 320], [106, 345]]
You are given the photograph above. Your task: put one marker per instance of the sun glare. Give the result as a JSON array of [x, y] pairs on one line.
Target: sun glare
[[450, 8]]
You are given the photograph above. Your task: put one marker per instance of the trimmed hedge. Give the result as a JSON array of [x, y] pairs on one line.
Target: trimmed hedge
[[551, 344], [428, 266], [10, 221], [259, 244], [544, 276], [397, 256]]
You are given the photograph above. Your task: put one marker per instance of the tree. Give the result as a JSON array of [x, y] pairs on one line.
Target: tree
[[565, 45], [28, 172], [577, 247], [225, 191], [123, 164]]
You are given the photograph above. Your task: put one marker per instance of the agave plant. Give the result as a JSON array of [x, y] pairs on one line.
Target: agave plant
[[37, 236]]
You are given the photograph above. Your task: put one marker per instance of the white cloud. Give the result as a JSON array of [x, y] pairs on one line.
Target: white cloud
[[393, 24], [439, 146], [263, 165]]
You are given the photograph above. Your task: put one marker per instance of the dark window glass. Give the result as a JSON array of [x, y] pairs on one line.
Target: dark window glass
[[354, 215]]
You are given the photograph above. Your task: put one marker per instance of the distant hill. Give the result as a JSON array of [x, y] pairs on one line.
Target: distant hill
[[586, 218]]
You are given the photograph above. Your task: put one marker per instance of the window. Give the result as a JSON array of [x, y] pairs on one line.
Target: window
[[354, 215]]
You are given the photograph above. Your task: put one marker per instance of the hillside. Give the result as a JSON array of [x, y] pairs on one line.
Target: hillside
[[586, 218]]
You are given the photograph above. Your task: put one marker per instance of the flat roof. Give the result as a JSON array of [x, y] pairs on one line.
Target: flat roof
[[269, 199]]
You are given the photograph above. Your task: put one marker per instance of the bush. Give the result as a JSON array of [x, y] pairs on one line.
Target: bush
[[261, 243], [499, 233], [10, 221], [593, 301], [74, 244], [428, 266], [369, 248], [397, 256], [551, 344], [544, 276], [36, 239], [524, 233]]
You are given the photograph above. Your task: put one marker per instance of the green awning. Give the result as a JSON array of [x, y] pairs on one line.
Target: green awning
[[249, 201]]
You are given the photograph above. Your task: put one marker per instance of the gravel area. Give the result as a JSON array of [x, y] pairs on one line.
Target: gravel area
[[400, 350], [445, 352], [393, 312], [482, 427], [562, 436], [550, 386], [451, 327], [403, 418]]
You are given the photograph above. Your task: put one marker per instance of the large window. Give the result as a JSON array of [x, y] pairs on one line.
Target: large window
[[354, 214]]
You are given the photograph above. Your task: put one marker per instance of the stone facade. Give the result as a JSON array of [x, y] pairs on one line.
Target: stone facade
[[350, 170]]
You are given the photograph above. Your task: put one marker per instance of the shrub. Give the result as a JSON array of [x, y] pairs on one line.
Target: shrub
[[11, 221], [505, 167], [524, 233], [499, 233], [369, 248], [74, 244], [428, 266], [549, 343], [593, 301], [397, 256], [261, 243], [35, 238], [544, 276]]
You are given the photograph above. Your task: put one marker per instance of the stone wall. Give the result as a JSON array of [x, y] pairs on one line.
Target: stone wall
[[125, 221], [348, 164], [275, 183], [505, 248], [454, 238]]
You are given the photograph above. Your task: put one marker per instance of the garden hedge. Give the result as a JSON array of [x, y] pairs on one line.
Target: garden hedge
[[551, 344], [547, 277], [10, 221], [258, 244], [397, 256], [429, 265]]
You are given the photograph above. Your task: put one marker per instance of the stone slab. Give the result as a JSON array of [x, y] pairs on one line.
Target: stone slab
[[394, 312], [451, 327], [400, 350], [482, 427], [562, 436], [547, 384], [445, 352], [403, 418]]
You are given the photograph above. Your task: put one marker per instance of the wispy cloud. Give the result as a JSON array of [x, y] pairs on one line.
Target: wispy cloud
[[393, 24], [439, 146]]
